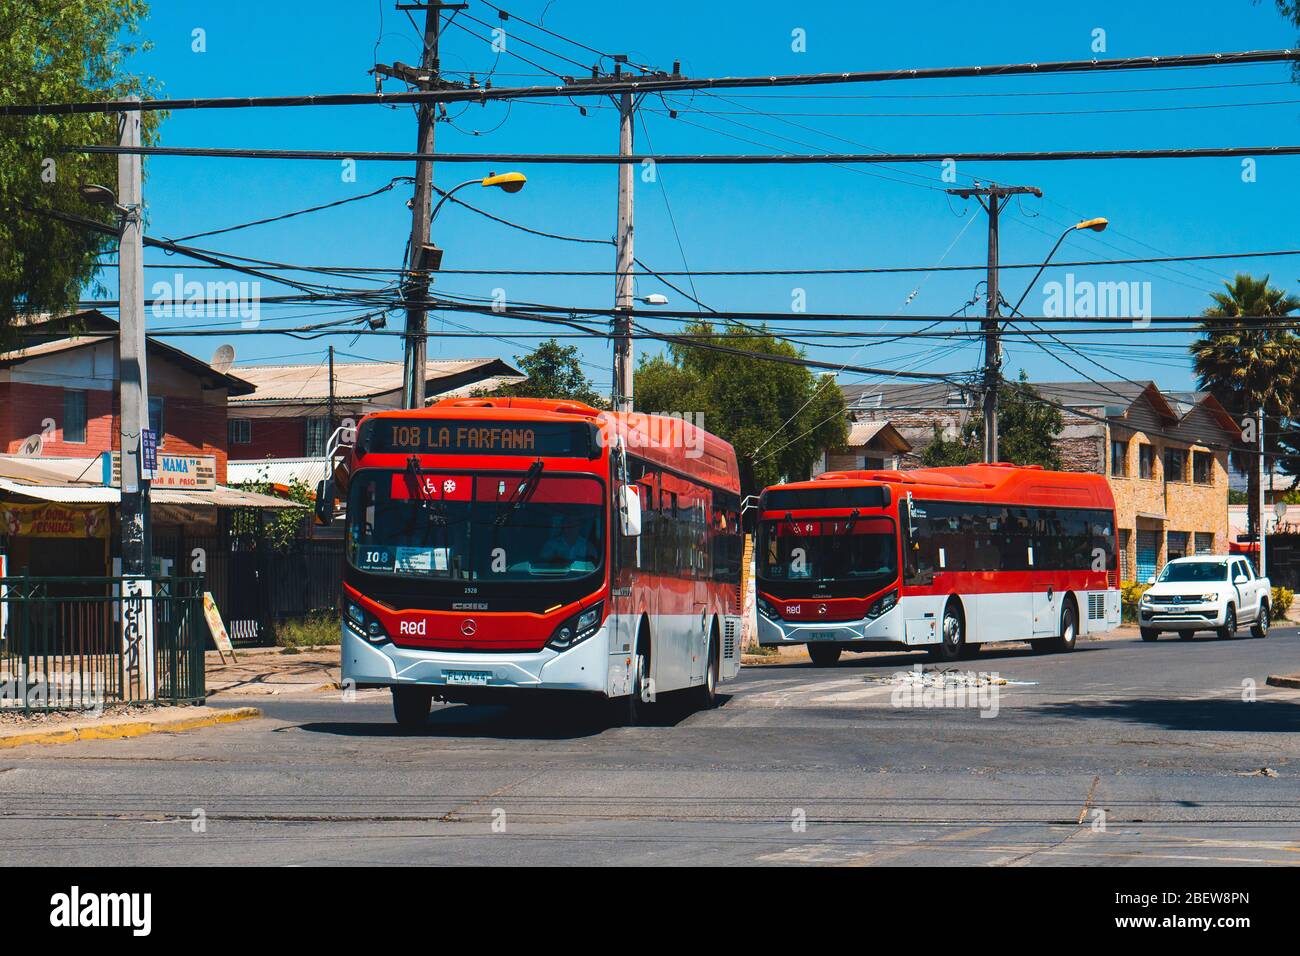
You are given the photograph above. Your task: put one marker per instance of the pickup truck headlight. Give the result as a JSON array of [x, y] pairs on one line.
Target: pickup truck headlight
[[578, 628], [1145, 599], [882, 604], [1211, 597], [364, 624]]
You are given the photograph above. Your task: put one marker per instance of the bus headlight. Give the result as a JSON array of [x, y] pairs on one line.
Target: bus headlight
[[883, 603], [364, 624], [577, 628], [765, 608]]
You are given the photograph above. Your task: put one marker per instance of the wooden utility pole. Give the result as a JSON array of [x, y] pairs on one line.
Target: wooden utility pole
[[416, 286], [993, 198], [624, 261], [133, 378]]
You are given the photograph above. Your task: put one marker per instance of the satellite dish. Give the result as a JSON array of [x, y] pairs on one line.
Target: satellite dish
[[31, 447], [223, 358]]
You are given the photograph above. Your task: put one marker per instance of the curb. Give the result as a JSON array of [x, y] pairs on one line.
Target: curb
[[127, 728], [1289, 680]]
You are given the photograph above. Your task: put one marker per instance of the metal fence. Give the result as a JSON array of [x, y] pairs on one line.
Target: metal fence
[[83, 643]]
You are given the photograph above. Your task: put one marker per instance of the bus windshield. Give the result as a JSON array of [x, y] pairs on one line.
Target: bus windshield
[[476, 527], [829, 549]]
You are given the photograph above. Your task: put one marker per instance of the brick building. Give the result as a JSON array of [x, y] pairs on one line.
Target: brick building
[[60, 415], [63, 386], [1161, 451], [286, 412]]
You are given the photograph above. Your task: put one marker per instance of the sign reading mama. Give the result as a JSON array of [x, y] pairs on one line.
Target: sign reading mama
[[190, 472]]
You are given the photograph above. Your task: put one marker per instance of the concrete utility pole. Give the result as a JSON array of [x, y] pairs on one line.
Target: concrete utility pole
[[624, 261], [1263, 548], [329, 427], [416, 289], [133, 379], [993, 198]]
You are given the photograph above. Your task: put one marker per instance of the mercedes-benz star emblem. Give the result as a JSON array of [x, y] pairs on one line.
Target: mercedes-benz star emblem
[[469, 627], [821, 608]]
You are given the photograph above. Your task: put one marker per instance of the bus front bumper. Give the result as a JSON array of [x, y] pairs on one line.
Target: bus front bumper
[[886, 629], [584, 667]]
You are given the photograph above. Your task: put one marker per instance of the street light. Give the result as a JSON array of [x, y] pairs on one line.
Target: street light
[[1096, 224], [654, 298], [506, 182]]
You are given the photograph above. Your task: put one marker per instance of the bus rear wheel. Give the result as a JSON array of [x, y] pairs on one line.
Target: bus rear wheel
[[824, 655], [1065, 641], [411, 706], [706, 695]]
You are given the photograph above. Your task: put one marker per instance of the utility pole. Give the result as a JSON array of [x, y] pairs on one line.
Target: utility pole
[[133, 379], [329, 427], [993, 198], [1263, 548], [623, 262], [416, 287]]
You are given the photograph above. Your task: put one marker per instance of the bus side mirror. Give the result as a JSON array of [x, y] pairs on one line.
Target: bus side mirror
[[325, 501], [629, 510]]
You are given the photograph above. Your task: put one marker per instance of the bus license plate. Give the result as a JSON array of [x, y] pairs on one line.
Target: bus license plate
[[477, 678]]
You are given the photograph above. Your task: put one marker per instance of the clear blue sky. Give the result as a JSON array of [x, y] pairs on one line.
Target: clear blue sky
[[745, 217]]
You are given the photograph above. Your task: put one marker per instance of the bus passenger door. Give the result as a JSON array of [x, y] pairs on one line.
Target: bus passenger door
[[625, 553]]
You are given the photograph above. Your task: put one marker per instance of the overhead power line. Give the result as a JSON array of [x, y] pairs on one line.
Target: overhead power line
[[697, 159], [662, 83]]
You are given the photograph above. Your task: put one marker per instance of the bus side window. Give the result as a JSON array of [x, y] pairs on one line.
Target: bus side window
[[909, 542]]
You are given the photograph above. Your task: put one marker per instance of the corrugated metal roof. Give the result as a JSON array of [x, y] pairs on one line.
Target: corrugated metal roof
[[862, 433], [278, 471], [352, 380], [221, 496]]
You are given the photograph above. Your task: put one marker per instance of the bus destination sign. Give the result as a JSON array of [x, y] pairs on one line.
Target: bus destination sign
[[447, 437]]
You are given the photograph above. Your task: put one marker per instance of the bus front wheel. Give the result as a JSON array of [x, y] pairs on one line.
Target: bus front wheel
[[824, 655], [954, 635], [411, 706]]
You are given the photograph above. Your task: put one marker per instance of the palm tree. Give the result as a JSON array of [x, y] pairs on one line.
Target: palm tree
[[1248, 363]]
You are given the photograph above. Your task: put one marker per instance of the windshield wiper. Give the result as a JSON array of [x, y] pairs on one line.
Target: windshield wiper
[[525, 489], [436, 510], [853, 517]]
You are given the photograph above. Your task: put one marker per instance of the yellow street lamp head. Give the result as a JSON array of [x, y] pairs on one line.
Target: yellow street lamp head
[[1096, 225], [509, 182]]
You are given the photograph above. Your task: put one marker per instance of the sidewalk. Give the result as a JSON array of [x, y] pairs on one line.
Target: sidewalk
[[270, 671], [62, 728]]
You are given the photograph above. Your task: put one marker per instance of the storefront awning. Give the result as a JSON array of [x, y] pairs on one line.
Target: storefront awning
[[220, 497]]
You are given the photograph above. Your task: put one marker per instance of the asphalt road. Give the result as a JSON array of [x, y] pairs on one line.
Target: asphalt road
[[799, 765]]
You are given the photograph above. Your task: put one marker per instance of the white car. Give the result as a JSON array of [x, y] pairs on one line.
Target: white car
[[1210, 592]]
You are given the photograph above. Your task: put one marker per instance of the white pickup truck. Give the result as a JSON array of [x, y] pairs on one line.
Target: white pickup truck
[[1210, 592]]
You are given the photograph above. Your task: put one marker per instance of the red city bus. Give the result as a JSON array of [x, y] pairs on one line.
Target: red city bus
[[497, 549], [944, 559]]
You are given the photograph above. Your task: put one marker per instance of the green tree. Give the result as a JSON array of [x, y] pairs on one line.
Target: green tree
[[1028, 429], [554, 371], [1248, 364], [780, 417], [55, 51]]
